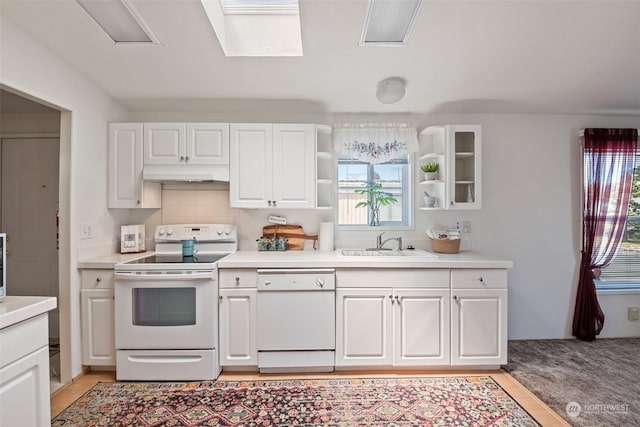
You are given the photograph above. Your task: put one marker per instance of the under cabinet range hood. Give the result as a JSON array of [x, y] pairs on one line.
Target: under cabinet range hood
[[185, 173]]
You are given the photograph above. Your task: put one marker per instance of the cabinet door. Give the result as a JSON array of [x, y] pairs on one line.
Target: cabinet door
[[421, 327], [24, 391], [478, 327], [294, 166], [207, 144], [126, 188], [363, 327], [251, 151], [164, 144], [98, 327], [238, 339], [464, 143]]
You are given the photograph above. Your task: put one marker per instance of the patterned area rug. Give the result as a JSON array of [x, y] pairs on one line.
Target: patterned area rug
[[428, 401]]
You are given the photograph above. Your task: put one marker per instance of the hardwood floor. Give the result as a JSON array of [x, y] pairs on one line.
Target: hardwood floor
[[541, 412]]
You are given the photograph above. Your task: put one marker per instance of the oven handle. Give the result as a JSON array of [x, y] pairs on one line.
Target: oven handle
[[128, 275]]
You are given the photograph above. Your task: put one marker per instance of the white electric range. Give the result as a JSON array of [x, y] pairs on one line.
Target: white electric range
[[166, 306]]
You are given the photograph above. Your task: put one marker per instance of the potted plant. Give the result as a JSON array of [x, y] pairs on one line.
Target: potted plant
[[430, 171], [376, 197]]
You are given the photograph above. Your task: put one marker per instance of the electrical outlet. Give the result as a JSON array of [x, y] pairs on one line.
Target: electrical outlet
[[633, 313], [86, 230], [466, 226]]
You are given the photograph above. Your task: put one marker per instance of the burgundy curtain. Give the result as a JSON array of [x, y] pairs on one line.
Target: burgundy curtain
[[609, 156]]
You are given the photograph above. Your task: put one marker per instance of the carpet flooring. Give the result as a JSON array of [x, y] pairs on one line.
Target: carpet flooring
[[587, 383], [421, 401]]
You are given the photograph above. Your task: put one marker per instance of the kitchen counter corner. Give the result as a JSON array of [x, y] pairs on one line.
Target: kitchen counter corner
[[15, 309]]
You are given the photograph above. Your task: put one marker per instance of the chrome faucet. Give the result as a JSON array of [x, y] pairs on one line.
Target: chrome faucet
[[380, 243]]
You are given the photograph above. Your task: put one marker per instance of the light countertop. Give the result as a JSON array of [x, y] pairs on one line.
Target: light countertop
[[317, 259], [15, 309], [109, 261]]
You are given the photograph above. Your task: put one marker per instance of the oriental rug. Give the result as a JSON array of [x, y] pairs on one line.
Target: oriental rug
[[397, 401]]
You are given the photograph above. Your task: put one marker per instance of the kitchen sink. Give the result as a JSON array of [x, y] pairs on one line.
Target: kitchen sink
[[382, 252]]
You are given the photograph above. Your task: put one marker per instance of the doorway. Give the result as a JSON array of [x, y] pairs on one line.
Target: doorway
[[29, 199]]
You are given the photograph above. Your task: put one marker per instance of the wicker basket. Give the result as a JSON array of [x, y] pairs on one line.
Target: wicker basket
[[445, 246]]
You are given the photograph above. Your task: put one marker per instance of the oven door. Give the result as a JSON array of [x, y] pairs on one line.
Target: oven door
[[172, 310]]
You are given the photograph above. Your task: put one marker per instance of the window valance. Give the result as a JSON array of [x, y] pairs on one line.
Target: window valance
[[374, 142]]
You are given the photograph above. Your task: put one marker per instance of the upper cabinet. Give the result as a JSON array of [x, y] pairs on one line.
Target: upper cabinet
[[126, 188], [273, 166], [457, 151], [186, 143], [186, 151]]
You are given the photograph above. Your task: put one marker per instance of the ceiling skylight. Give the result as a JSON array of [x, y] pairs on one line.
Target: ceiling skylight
[[256, 27]]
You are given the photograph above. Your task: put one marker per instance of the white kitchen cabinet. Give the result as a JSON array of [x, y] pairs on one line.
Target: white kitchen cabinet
[[399, 327], [126, 188], [421, 327], [24, 373], [98, 327], [97, 317], [176, 144], [273, 166], [457, 150], [238, 327], [364, 327], [479, 317]]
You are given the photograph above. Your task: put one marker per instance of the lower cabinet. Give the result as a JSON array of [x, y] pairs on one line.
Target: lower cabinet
[[24, 374], [238, 336], [394, 327], [478, 326], [98, 327]]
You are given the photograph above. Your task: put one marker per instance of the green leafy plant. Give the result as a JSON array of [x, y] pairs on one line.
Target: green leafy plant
[[376, 197], [430, 167]]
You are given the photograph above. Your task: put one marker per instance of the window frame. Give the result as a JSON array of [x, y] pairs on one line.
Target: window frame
[[631, 283], [407, 197]]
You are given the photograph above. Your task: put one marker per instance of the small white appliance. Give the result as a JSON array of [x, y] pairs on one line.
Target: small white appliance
[[132, 239], [3, 264], [166, 306], [296, 320]]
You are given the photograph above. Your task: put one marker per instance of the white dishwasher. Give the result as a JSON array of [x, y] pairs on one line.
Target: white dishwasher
[[296, 320]]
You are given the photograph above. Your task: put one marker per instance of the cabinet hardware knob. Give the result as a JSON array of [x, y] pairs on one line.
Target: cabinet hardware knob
[[181, 158], [274, 203], [269, 201], [455, 297], [138, 202], [237, 281], [186, 159], [98, 279], [397, 298], [267, 282], [8, 252], [481, 279], [220, 297]]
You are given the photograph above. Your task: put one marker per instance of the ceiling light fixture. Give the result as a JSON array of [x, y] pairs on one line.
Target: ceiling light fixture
[[120, 21], [389, 22], [391, 90]]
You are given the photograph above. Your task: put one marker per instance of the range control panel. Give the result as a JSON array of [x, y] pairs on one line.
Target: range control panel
[[199, 232]]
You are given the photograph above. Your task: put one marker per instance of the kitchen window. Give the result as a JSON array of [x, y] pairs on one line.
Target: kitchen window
[[394, 177]]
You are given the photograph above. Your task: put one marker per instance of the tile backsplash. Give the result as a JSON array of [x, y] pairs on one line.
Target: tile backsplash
[[197, 206]]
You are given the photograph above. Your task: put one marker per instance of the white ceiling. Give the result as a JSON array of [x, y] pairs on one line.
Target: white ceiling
[[463, 56]]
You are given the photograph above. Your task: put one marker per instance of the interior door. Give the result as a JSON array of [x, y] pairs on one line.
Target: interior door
[[29, 207]]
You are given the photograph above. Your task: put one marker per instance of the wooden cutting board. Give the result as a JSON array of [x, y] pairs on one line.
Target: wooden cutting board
[[293, 233]]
